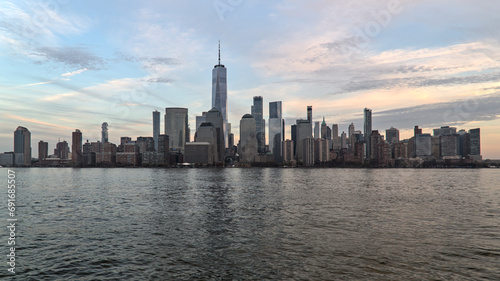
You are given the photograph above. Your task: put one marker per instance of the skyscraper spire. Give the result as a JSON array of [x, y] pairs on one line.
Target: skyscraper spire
[[219, 52]]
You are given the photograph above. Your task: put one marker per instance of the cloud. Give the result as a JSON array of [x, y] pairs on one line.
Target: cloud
[[73, 72], [35, 84], [80, 57]]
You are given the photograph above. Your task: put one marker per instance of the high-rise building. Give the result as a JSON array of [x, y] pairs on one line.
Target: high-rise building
[[219, 93], [287, 153], [104, 132], [416, 131], [304, 130], [22, 147], [367, 131], [375, 139], [324, 130], [214, 117], [207, 133], [43, 150], [310, 114], [260, 123], [76, 148], [200, 120], [248, 141], [351, 130], [317, 130], [449, 145], [423, 145], [62, 150], [445, 131], [293, 132], [335, 136], [343, 140], [475, 142], [392, 135], [176, 127], [275, 129], [156, 128]]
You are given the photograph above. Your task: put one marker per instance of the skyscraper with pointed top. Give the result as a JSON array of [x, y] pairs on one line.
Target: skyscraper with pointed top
[[219, 93]]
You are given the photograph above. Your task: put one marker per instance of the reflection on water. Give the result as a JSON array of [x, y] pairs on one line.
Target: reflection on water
[[257, 224]]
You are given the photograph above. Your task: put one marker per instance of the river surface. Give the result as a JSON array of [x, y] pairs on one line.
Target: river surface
[[254, 224]]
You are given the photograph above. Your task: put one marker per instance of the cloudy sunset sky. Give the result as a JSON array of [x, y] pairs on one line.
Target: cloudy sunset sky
[[67, 65]]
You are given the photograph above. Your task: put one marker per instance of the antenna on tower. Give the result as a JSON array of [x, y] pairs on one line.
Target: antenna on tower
[[219, 52]]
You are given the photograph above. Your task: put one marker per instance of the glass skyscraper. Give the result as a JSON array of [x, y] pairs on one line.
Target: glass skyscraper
[[156, 128], [176, 127], [260, 123], [219, 93], [275, 128], [367, 131], [22, 147]]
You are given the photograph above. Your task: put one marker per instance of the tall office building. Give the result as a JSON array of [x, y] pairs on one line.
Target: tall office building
[[310, 114], [22, 147], [104, 132], [293, 132], [43, 150], [156, 128], [275, 129], [214, 116], [392, 135], [260, 123], [76, 148], [176, 127], [219, 93], [62, 150], [304, 130], [248, 141], [367, 131], [475, 141], [351, 130], [316, 130], [200, 120], [416, 131]]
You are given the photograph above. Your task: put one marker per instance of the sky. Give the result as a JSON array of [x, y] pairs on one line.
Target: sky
[[67, 65]]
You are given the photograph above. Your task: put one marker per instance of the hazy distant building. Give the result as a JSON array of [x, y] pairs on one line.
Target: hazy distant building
[[275, 129], [445, 131], [219, 93], [375, 139], [293, 133], [107, 155], [336, 142], [129, 156], [417, 131], [88, 154], [22, 147], [248, 141], [304, 130], [343, 140], [400, 150], [464, 143], [200, 120], [176, 127], [321, 150], [436, 147], [324, 131], [423, 145], [199, 153], [351, 130], [475, 139], [124, 140], [367, 131], [287, 153], [392, 135], [104, 133], [146, 144], [308, 151], [156, 128], [317, 130], [310, 114], [214, 117], [449, 145], [43, 150], [207, 133], [62, 150], [76, 148], [260, 122]]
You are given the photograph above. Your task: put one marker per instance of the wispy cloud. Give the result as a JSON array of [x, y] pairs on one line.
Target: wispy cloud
[[35, 84], [72, 73]]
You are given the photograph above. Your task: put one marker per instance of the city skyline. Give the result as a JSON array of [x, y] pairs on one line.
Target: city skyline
[[69, 70]]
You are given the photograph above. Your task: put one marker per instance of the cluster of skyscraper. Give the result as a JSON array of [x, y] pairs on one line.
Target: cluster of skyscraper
[[214, 143]]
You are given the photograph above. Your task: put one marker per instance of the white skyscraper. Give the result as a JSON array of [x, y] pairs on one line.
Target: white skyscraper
[[219, 93]]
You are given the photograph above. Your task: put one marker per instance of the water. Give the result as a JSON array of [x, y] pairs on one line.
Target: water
[[256, 224]]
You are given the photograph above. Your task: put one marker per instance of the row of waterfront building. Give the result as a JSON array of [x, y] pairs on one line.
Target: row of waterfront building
[[308, 145]]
